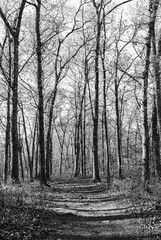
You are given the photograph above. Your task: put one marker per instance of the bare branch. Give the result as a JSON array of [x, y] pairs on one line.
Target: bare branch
[[30, 3], [20, 16], [118, 5], [6, 22]]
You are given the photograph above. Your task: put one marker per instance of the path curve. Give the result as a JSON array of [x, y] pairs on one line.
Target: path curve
[[85, 210]]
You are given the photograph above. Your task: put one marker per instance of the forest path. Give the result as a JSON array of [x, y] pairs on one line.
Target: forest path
[[86, 210]]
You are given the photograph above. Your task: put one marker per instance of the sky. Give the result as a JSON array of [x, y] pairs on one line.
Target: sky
[[76, 2], [126, 6]]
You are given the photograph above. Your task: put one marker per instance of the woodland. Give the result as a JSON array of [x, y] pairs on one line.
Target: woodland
[[80, 119]]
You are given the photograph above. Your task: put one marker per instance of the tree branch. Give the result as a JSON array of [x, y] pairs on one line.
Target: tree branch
[[118, 5], [6, 22]]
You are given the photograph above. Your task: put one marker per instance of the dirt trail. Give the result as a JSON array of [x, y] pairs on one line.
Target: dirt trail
[[85, 210]]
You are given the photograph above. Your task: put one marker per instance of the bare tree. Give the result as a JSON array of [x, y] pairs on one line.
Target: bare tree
[[156, 116], [15, 33], [98, 9], [145, 126], [61, 66], [105, 88], [100, 16], [40, 94], [40, 86], [6, 70]]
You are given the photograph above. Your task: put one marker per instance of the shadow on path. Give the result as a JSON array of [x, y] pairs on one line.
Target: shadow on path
[[89, 212]]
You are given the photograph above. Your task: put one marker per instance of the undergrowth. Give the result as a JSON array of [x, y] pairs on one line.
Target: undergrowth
[[23, 213], [23, 207], [146, 204]]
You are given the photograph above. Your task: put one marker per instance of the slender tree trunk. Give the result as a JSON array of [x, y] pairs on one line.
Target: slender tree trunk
[[118, 126], [77, 167], [37, 156], [49, 132], [156, 116], [15, 167], [136, 143], [40, 95], [127, 147], [7, 140], [37, 159], [82, 146], [61, 143], [33, 144], [15, 32], [27, 145], [156, 60], [20, 148], [84, 131], [78, 131], [105, 121], [103, 146], [155, 140], [145, 126], [25, 161], [51, 156], [107, 145], [8, 124], [96, 176]]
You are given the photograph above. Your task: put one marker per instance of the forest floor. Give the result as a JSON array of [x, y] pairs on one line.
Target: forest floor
[[73, 210]]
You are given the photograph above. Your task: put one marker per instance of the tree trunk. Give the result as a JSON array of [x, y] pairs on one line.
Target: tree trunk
[[20, 151], [156, 114], [79, 137], [40, 96], [77, 161], [145, 126], [51, 156], [84, 141], [37, 156], [105, 121], [49, 132], [82, 146], [15, 168], [156, 60], [61, 143], [118, 127], [103, 146], [33, 144], [27, 145], [96, 176], [155, 140], [8, 124], [15, 32]]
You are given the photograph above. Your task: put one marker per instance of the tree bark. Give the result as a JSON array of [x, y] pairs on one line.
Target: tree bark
[[156, 116], [155, 140], [118, 124], [27, 145], [48, 138], [145, 126], [8, 124], [15, 32], [15, 168], [40, 95], [33, 144], [98, 8], [105, 120]]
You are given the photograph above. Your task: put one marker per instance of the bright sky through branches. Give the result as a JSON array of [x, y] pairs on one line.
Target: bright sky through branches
[[76, 2], [125, 6]]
